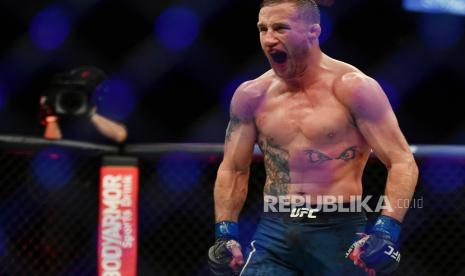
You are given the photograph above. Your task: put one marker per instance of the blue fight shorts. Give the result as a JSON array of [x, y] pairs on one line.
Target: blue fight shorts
[[293, 246]]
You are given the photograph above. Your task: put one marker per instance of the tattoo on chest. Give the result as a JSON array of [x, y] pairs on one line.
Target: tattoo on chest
[[318, 157], [277, 168], [348, 154], [315, 156]]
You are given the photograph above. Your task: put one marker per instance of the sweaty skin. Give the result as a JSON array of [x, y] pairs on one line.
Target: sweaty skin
[[315, 118]]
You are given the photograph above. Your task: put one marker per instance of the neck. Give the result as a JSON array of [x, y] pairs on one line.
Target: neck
[[311, 72]]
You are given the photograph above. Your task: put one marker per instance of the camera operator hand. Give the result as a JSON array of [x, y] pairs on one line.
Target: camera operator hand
[[109, 128], [46, 110], [49, 119]]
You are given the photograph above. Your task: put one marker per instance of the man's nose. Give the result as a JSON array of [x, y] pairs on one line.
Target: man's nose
[[269, 39]]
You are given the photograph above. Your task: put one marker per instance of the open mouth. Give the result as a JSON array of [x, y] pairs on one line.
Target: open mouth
[[278, 56]]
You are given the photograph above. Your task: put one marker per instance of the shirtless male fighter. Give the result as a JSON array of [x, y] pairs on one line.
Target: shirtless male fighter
[[316, 120]]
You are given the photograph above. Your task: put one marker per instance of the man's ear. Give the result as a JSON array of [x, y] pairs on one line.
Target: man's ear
[[314, 31]]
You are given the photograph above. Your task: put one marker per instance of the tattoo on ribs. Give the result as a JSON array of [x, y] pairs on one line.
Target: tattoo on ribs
[[318, 157], [277, 168]]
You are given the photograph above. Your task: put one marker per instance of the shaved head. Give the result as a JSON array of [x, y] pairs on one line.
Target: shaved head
[[308, 8]]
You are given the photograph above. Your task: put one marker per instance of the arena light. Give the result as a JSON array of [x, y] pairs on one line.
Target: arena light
[[52, 168], [436, 6], [177, 27], [440, 31], [115, 97], [50, 28]]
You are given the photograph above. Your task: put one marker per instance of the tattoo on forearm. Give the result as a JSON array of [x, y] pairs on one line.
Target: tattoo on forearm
[[277, 168], [318, 157]]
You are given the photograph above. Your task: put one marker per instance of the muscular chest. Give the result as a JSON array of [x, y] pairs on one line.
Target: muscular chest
[[319, 120]]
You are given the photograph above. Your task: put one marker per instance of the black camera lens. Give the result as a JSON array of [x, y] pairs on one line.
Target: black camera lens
[[70, 92], [72, 102]]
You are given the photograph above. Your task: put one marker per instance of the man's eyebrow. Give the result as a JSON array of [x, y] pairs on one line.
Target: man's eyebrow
[[260, 25], [280, 24]]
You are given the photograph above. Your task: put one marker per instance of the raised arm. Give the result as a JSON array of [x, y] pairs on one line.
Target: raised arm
[[233, 174], [109, 128], [378, 124]]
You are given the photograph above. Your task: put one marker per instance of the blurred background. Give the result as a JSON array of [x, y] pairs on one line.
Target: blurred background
[[172, 68], [175, 64]]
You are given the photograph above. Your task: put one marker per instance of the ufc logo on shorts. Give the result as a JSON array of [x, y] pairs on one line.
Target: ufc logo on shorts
[[301, 212], [393, 254]]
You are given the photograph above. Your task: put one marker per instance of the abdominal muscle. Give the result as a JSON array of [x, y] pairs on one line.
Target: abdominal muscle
[[342, 189]]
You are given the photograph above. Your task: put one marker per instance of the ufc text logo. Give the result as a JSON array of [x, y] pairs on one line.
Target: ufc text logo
[[301, 212], [393, 254]]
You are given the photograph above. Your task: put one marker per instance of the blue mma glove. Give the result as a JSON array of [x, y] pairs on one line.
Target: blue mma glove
[[225, 249], [378, 248]]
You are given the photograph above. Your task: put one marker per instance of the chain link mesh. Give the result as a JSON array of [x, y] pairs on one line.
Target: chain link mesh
[[52, 230], [48, 230]]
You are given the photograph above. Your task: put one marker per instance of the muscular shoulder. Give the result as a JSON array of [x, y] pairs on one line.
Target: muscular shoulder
[[248, 96], [349, 84], [361, 94]]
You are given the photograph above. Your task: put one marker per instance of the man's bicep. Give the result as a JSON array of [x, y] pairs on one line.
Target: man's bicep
[[239, 143], [241, 131], [377, 122], [385, 138]]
